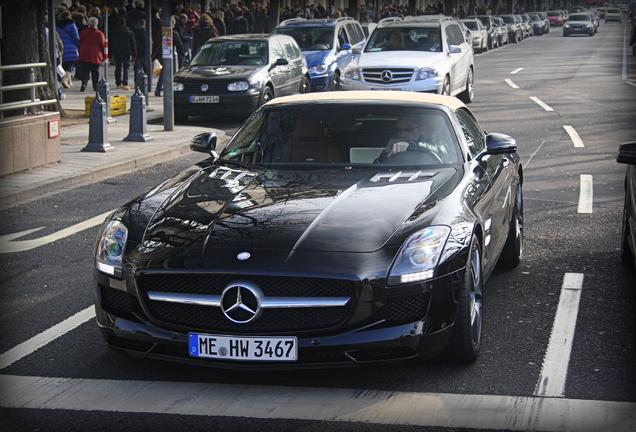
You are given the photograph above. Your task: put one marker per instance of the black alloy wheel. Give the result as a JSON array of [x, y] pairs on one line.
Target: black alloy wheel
[[304, 85], [512, 251], [627, 255], [468, 95], [336, 84], [465, 342], [267, 95]]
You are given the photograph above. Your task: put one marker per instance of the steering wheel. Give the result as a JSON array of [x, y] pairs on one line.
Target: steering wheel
[[414, 155]]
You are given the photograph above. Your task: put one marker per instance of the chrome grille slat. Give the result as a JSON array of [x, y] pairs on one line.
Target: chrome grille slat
[[395, 75]]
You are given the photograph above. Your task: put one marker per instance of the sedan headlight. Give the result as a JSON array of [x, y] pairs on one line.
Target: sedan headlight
[[110, 249], [319, 69], [238, 86], [177, 86], [426, 73], [419, 256], [567, 26], [352, 73]]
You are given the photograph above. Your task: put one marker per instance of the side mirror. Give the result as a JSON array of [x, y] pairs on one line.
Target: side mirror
[[281, 62], [204, 142], [345, 47], [627, 153], [454, 49], [497, 143], [356, 50]]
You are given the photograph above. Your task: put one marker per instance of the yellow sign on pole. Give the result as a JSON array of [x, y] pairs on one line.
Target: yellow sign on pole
[[166, 42]]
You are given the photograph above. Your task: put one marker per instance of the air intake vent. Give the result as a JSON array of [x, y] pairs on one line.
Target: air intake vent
[[402, 177]]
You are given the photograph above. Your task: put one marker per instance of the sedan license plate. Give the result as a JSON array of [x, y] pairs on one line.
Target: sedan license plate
[[204, 99], [251, 348]]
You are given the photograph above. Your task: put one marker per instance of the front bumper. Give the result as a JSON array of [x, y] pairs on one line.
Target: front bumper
[[229, 103], [380, 337], [320, 83], [430, 85], [578, 30]]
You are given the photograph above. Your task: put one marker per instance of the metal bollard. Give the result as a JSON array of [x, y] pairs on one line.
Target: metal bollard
[[98, 128], [141, 80], [137, 130], [104, 92]]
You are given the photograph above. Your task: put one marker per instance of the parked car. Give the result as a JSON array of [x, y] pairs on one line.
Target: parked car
[[236, 74], [502, 31], [487, 22], [415, 54], [479, 34], [274, 251], [601, 11], [555, 18], [327, 45], [546, 21], [527, 24], [613, 14], [538, 26], [515, 32], [627, 155], [580, 23]]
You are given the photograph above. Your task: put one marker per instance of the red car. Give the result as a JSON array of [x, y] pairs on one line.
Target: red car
[[555, 18]]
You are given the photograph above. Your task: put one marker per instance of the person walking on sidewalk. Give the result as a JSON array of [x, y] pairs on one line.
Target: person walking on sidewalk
[[67, 30], [91, 52], [122, 48], [139, 32]]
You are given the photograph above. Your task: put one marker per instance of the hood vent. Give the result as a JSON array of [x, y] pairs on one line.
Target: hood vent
[[229, 175], [402, 177]]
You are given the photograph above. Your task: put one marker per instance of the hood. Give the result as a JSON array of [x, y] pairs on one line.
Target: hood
[[322, 211], [211, 72], [400, 59], [315, 58]]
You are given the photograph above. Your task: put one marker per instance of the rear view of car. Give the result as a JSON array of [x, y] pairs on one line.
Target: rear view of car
[[613, 14], [555, 18]]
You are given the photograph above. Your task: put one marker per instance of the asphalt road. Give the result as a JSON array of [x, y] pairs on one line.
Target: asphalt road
[[580, 78]]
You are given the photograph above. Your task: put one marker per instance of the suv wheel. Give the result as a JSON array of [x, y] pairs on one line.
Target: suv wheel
[[304, 85], [468, 95], [267, 95], [446, 91], [335, 82]]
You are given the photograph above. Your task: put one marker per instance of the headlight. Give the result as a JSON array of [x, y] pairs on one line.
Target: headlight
[[238, 86], [567, 26], [319, 69], [352, 73], [426, 73], [110, 249], [177, 86], [419, 256]]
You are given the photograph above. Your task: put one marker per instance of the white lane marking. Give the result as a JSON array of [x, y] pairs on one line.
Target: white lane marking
[[557, 357], [574, 136], [541, 103], [38, 341], [624, 70], [586, 194], [516, 71], [8, 244], [631, 83], [511, 84], [519, 413]]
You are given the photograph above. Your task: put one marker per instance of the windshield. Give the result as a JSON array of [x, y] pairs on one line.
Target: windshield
[[231, 53], [553, 14], [579, 18], [471, 25], [508, 19], [613, 11], [344, 135], [534, 18], [405, 39], [484, 20], [310, 38]]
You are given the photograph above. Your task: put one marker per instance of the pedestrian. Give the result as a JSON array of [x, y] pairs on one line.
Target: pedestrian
[[139, 33], [67, 30], [91, 52], [218, 20], [240, 23], [261, 22], [122, 48], [204, 31], [136, 14]]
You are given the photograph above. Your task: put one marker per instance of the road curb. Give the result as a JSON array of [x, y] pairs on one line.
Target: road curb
[[63, 183]]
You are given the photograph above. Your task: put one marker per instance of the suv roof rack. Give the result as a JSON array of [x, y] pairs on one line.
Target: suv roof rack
[[314, 20], [388, 20], [291, 20]]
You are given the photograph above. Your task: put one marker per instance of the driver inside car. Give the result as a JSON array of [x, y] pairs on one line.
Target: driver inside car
[[408, 132], [413, 134]]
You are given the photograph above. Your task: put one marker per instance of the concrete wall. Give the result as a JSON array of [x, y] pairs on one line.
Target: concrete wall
[[25, 142]]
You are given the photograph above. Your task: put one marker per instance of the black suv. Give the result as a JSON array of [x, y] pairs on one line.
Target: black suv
[[237, 74]]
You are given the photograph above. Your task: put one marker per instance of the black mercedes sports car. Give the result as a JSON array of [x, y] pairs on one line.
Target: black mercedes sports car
[[334, 228]]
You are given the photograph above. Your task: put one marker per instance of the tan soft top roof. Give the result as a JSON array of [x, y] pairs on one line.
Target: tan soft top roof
[[364, 96]]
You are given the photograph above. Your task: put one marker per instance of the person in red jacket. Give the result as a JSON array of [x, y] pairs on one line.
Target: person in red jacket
[[91, 52]]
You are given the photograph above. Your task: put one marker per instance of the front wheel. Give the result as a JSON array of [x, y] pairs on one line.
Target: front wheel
[[304, 85], [336, 84], [468, 94], [465, 342], [446, 91], [267, 95], [513, 248], [627, 255]]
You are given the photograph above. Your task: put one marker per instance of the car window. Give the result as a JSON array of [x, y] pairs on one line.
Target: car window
[[333, 134], [405, 39], [310, 38], [472, 132], [231, 53], [277, 50], [289, 51], [454, 35], [342, 37]]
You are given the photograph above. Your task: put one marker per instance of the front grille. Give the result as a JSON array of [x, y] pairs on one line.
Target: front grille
[[214, 87], [210, 318], [272, 286], [387, 76], [119, 303], [406, 309], [271, 320]]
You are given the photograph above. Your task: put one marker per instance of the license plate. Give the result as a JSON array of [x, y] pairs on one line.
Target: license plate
[[251, 348], [204, 99]]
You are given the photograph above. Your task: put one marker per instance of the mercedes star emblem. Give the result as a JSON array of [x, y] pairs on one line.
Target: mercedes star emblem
[[386, 76], [241, 302], [243, 256], [204, 87]]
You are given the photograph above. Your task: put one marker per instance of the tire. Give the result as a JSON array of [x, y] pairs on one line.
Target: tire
[[267, 95], [468, 95], [446, 90], [627, 256], [305, 86], [465, 343], [335, 84], [512, 251]]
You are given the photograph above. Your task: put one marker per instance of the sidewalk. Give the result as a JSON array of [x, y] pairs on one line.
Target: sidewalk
[[77, 167]]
